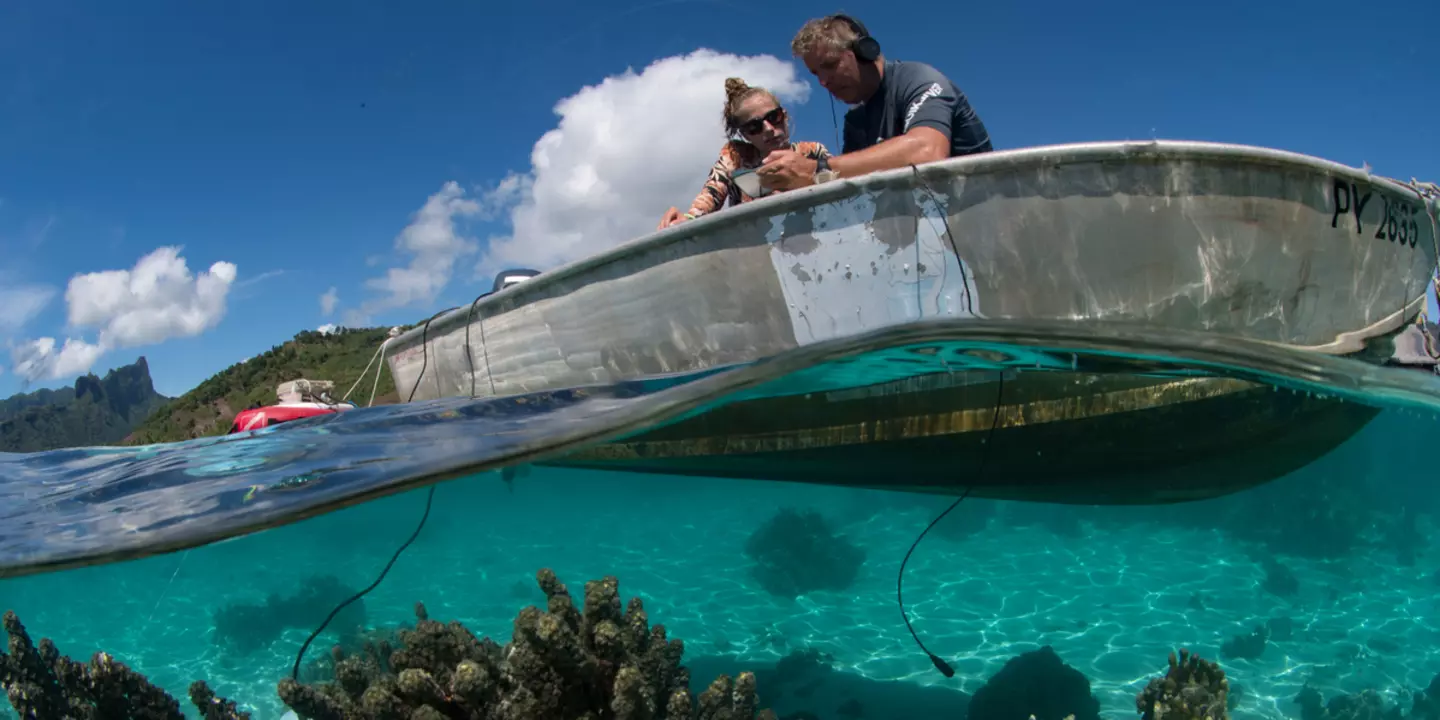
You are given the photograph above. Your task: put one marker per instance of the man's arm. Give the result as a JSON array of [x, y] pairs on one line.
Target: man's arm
[[927, 104], [787, 169], [920, 145]]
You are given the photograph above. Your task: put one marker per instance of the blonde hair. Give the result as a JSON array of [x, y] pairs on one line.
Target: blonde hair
[[736, 93], [829, 31]]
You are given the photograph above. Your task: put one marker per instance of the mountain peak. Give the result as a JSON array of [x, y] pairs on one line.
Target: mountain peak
[[96, 412]]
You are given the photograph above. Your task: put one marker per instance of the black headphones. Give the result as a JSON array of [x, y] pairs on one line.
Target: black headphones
[[866, 48]]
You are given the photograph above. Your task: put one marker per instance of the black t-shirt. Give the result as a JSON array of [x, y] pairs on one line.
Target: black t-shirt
[[911, 95]]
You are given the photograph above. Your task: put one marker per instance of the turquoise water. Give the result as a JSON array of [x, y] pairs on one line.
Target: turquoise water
[[1339, 555], [1109, 588]]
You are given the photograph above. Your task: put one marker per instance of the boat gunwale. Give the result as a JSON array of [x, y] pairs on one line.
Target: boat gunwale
[[1056, 155]]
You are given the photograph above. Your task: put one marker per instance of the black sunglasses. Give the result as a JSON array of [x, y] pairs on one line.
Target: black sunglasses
[[756, 126]]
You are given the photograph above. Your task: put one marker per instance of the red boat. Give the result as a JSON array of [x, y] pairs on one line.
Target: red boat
[[298, 399]]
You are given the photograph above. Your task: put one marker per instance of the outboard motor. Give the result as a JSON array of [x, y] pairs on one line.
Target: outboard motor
[[506, 278]]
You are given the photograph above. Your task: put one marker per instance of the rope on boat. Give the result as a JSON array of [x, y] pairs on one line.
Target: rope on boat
[[379, 353]]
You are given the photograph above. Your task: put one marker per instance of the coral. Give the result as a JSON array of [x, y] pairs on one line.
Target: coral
[[1367, 705], [1246, 647], [1038, 685], [1426, 705], [242, 628], [800, 674], [797, 553], [596, 662], [1193, 689], [212, 707], [42, 683], [370, 646]]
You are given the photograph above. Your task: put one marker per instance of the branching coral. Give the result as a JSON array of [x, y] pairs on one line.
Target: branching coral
[[42, 683], [597, 662], [1193, 689], [594, 662]]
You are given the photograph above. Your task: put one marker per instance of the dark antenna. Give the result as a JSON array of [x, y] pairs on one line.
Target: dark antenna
[[939, 663]]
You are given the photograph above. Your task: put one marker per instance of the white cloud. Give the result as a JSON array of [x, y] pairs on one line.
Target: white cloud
[[20, 304], [510, 190], [154, 301], [326, 329], [624, 151], [328, 301], [37, 359], [433, 245]]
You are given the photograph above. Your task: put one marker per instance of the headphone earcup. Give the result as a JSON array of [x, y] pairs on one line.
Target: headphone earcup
[[867, 48]]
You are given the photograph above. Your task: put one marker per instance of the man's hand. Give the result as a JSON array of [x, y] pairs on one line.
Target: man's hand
[[786, 170], [672, 217]]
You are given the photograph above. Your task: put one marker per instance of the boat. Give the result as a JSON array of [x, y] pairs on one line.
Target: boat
[[295, 400], [1216, 240]]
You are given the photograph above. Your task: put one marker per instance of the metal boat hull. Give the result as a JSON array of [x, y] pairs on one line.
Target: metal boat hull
[[1229, 240], [1057, 437]]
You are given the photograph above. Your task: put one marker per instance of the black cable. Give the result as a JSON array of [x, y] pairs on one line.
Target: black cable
[[424, 357], [295, 671], [940, 664], [945, 218], [835, 120], [469, 354], [429, 498], [485, 350]]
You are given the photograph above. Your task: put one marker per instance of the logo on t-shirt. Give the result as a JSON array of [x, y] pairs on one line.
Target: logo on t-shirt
[[930, 92]]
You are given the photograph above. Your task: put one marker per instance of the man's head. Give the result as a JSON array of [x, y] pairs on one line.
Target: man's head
[[828, 46]]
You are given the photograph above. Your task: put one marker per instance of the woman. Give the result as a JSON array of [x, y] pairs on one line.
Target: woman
[[758, 126]]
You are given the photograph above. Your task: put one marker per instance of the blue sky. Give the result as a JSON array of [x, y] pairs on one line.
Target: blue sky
[[299, 140]]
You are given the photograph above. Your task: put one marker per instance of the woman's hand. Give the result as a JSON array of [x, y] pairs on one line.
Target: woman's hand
[[672, 217]]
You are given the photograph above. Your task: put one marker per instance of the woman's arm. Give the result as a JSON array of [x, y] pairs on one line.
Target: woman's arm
[[813, 150], [716, 190], [713, 193]]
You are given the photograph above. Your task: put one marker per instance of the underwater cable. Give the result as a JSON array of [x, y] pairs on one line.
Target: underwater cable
[[295, 671], [939, 663], [429, 498]]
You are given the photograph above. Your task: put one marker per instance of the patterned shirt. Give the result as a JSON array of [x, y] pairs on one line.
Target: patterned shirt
[[739, 155]]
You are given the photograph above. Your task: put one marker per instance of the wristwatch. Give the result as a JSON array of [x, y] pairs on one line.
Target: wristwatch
[[823, 173]]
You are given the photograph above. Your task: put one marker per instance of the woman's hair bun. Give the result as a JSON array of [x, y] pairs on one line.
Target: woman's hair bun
[[734, 86]]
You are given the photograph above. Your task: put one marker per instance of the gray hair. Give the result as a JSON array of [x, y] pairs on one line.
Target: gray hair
[[830, 32]]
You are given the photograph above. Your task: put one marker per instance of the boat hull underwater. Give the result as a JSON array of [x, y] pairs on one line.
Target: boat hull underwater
[[1236, 242]]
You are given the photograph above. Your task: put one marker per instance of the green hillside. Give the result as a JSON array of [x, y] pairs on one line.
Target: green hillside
[[96, 411], [339, 357], [16, 404]]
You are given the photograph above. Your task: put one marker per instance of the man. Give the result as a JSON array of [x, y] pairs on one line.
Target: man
[[905, 113]]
